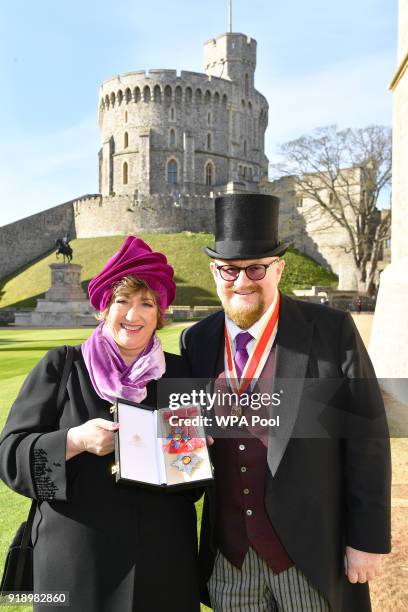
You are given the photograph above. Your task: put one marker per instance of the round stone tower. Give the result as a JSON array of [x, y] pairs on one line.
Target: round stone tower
[[172, 142], [187, 134]]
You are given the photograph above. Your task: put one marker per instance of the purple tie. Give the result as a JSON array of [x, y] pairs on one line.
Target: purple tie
[[241, 354]]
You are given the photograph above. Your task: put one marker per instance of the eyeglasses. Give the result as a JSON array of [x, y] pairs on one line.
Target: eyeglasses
[[255, 272]]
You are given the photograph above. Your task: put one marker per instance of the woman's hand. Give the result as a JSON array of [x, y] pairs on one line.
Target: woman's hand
[[95, 436]]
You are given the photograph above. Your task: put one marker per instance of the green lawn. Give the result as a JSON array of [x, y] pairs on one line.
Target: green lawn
[[19, 351], [184, 251]]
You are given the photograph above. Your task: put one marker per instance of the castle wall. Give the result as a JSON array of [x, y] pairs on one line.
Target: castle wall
[[30, 238], [164, 213], [92, 216]]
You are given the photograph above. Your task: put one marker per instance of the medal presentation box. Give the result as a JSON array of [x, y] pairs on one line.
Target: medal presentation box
[[159, 447]]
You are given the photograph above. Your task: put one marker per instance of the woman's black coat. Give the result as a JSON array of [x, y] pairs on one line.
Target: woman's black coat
[[113, 548]]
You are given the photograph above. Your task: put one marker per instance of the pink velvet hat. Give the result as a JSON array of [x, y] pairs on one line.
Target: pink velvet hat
[[134, 258]]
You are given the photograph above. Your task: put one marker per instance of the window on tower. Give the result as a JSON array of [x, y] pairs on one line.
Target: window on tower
[[167, 95], [172, 138], [157, 94], [126, 140], [209, 174], [178, 94], [125, 173], [172, 172], [208, 142]]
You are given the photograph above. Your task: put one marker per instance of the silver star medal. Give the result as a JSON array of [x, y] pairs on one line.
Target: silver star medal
[[187, 463]]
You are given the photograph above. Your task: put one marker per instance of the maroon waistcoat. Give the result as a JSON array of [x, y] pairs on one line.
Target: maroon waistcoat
[[240, 468]]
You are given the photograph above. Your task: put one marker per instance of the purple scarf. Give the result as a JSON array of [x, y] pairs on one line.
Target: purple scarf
[[111, 376]]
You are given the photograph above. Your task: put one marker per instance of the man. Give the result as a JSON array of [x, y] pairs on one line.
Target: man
[[296, 521]]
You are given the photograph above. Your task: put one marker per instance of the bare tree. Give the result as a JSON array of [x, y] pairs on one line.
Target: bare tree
[[344, 173]]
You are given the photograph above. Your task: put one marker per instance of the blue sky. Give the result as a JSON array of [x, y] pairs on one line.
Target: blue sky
[[319, 62]]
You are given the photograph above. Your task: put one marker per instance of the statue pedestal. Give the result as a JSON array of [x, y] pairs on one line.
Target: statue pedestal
[[65, 304]]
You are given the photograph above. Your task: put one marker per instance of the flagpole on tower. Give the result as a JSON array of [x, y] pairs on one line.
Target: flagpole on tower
[[229, 15]]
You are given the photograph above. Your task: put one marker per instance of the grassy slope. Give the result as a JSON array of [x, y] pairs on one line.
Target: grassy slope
[[184, 251], [19, 351]]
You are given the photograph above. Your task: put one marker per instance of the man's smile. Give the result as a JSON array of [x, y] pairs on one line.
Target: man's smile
[[242, 293]]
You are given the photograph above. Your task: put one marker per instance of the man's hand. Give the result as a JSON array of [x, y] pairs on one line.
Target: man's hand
[[361, 566]]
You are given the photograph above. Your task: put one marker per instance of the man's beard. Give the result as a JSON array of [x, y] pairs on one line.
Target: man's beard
[[244, 315]]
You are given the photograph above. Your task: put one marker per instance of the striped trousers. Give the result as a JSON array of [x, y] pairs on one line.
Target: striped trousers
[[256, 588]]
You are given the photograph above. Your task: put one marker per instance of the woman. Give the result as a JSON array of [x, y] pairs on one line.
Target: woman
[[112, 548]]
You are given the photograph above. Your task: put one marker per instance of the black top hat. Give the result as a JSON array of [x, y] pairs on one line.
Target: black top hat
[[246, 227]]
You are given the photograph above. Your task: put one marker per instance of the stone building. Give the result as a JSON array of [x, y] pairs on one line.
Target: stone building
[[187, 134], [313, 231]]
